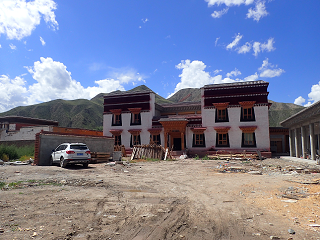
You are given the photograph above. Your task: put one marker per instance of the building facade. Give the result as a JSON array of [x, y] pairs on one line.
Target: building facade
[[304, 132], [230, 117]]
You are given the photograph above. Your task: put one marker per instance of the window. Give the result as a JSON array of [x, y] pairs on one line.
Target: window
[[135, 119], [247, 114], [199, 140], [135, 140], [222, 140], [116, 117], [116, 121], [248, 136], [221, 111], [135, 116], [155, 139], [247, 111], [117, 140]]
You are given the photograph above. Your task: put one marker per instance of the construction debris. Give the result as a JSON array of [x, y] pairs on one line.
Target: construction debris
[[100, 157], [149, 151]]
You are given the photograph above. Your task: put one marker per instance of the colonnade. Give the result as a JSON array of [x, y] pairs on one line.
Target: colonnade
[[303, 142]]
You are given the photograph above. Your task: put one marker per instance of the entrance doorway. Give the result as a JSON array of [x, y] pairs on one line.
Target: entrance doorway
[[176, 144]]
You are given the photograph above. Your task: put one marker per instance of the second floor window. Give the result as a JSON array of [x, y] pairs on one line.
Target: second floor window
[[116, 121], [222, 115], [247, 114], [135, 119]]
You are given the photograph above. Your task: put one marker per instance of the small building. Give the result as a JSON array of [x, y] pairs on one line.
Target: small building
[[279, 140], [231, 117], [304, 132], [22, 130]]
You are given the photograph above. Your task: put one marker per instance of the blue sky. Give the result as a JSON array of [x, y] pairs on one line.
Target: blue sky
[[63, 49]]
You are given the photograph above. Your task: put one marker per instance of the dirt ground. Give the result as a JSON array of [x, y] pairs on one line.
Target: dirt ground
[[183, 199]]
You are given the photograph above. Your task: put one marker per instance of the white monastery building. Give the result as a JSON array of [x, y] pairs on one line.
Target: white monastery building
[[231, 117]]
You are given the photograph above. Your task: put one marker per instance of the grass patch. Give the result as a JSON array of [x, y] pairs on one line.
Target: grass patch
[[12, 152], [19, 184]]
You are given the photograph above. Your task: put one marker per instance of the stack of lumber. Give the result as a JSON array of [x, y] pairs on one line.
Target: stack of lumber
[[100, 157], [148, 151], [233, 156], [120, 148]]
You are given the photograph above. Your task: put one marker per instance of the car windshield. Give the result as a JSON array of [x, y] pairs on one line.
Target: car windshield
[[78, 147]]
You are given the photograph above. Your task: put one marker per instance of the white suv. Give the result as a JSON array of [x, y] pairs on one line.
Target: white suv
[[71, 153]]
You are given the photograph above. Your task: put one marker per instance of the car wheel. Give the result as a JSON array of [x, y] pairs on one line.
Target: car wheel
[[51, 161], [63, 163], [85, 165]]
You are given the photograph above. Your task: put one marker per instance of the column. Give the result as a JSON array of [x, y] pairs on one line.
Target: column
[[303, 142], [182, 141], [296, 143], [165, 139], [312, 142], [290, 143]]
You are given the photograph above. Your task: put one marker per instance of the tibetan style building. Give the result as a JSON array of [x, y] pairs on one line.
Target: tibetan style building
[[231, 117]]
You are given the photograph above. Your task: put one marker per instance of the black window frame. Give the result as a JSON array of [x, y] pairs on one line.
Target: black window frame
[[114, 120], [194, 140], [132, 123], [246, 145], [158, 140], [131, 140], [217, 140], [222, 120], [242, 119], [115, 140]]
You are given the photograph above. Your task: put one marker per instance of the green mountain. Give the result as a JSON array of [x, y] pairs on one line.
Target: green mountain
[[281, 111], [186, 95], [88, 114]]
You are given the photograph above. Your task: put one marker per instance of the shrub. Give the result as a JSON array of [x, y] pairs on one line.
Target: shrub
[[10, 151], [13, 152]]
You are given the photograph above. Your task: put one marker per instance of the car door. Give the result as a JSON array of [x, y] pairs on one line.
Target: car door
[[57, 153]]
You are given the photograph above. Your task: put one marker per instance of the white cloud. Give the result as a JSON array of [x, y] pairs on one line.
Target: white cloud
[[256, 48], [216, 42], [12, 92], [259, 11], [42, 41], [253, 77], [314, 95], [244, 48], [218, 14], [262, 47], [217, 71], [234, 42], [235, 73], [269, 70], [194, 76], [229, 2], [18, 18], [299, 101], [0, 46], [145, 20], [13, 47], [53, 81]]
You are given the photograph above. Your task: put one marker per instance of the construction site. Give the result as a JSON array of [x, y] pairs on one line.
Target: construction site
[[180, 198]]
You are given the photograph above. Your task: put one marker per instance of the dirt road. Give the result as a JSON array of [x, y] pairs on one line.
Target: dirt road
[[185, 199]]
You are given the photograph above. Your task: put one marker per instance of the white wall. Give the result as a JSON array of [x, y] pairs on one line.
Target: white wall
[[25, 133], [235, 133], [146, 123]]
